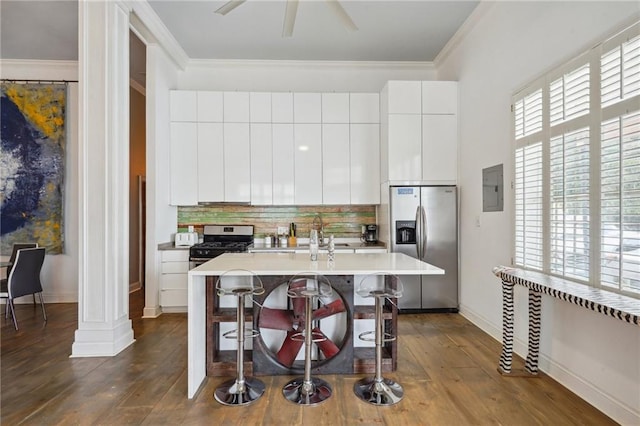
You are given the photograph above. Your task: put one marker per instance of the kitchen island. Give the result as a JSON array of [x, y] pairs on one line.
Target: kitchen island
[[279, 265]]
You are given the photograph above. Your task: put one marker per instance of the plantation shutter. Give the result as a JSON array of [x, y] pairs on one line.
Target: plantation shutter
[[528, 206], [528, 181]]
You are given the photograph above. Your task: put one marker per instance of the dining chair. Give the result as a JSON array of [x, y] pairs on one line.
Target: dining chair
[[24, 279], [14, 252], [12, 259]]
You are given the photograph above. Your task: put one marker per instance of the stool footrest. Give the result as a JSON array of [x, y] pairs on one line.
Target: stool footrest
[[386, 337], [233, 334], [299, 337]]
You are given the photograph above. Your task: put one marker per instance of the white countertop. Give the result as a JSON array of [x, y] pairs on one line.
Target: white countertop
[[292, 263]]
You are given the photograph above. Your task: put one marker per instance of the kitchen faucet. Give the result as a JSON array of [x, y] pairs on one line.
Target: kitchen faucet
[[317, 224]]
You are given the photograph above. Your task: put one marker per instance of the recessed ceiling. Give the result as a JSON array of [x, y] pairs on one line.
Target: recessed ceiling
[[387, 30], [46, 30]]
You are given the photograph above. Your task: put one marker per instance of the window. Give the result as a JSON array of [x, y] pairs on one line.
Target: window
[[577, 168]]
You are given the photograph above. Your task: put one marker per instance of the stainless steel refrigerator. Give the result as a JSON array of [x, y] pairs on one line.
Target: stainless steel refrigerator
[[424, 225]]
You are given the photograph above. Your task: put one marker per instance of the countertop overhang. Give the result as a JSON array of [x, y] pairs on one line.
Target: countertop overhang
[[295, 263]]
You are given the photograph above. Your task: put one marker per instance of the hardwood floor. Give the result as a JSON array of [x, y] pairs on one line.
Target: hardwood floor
[[447, 367]]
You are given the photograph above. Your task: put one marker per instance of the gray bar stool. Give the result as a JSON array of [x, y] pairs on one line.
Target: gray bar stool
[[308, 390], [242, 390], [378, 390]]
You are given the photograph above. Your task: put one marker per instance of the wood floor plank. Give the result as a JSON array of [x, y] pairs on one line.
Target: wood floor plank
[[446, 365]]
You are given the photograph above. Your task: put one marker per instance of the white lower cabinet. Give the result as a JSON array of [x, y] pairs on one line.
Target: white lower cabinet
[[174, 268]]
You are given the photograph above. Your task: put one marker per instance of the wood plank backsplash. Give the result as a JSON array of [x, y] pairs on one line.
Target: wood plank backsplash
[[341, 221]]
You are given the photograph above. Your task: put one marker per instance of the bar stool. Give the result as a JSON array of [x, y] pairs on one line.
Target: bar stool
[[308, 390], [378, 390], [242, 390]]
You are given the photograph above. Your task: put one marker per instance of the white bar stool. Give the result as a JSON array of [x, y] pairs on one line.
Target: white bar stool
[[378, 390], [242, 390]]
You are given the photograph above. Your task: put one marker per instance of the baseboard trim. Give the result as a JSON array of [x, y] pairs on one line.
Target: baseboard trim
[[174, 309], [604, 402], [134, 286]]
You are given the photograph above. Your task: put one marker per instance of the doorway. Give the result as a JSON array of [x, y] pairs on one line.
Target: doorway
[[137, 173]]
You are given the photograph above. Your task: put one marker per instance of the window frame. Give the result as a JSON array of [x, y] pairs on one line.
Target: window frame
[[593, 120]]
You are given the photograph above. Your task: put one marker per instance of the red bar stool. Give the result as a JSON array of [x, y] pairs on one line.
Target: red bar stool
[[378, 390], [308, 390], [242, 390]]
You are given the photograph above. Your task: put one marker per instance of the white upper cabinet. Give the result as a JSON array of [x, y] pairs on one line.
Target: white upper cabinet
[[439, 148], [439, 97], [237, 173], [260, 107], [183, 174], [307, 108], [210, 108], [364, 108], [365, 163], [261, 164], [335, 108], [405, 147], [182, 105], [419, 132], [210, 162], [404, 97], [236, 107], [283, 164], [285, 148], [336, 188], [282, 107], [308, 164]]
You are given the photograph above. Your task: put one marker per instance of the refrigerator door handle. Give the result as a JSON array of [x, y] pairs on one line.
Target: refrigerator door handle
[[418, 232], [423, 232]]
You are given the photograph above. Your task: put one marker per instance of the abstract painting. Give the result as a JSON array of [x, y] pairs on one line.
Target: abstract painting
[[32, 165]]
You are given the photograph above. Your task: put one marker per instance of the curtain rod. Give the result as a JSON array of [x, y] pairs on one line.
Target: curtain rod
[[22, 80]]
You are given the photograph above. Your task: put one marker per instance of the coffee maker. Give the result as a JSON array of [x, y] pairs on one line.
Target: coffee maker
[[370, 234]]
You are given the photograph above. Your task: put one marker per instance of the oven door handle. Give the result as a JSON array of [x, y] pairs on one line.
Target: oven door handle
[[200, 259]]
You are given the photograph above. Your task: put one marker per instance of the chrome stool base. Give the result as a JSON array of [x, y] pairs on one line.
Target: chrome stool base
[[382, 392], [231, 393], [313, 393]]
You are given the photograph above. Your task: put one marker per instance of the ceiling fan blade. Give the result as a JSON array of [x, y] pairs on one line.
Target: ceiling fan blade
[[342, 15], [229, 6], [289, 18]]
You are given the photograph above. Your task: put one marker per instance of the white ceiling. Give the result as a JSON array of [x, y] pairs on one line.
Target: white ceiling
[[395, 30]]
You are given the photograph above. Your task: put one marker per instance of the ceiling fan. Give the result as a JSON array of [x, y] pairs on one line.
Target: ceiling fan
[[291, 11]]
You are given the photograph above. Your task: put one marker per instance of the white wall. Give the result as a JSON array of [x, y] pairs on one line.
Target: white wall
[[162, 219], [504, 46], [59, 272], [299, 76]]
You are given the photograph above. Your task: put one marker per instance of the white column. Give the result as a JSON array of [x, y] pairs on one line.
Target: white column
[[104, 328]]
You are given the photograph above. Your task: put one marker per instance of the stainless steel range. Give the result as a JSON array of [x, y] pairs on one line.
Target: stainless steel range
[[219, 239]]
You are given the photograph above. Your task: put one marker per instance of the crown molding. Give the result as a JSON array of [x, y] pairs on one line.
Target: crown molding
[[38, 69], [149, 27], [469, 24], [279, 64]]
